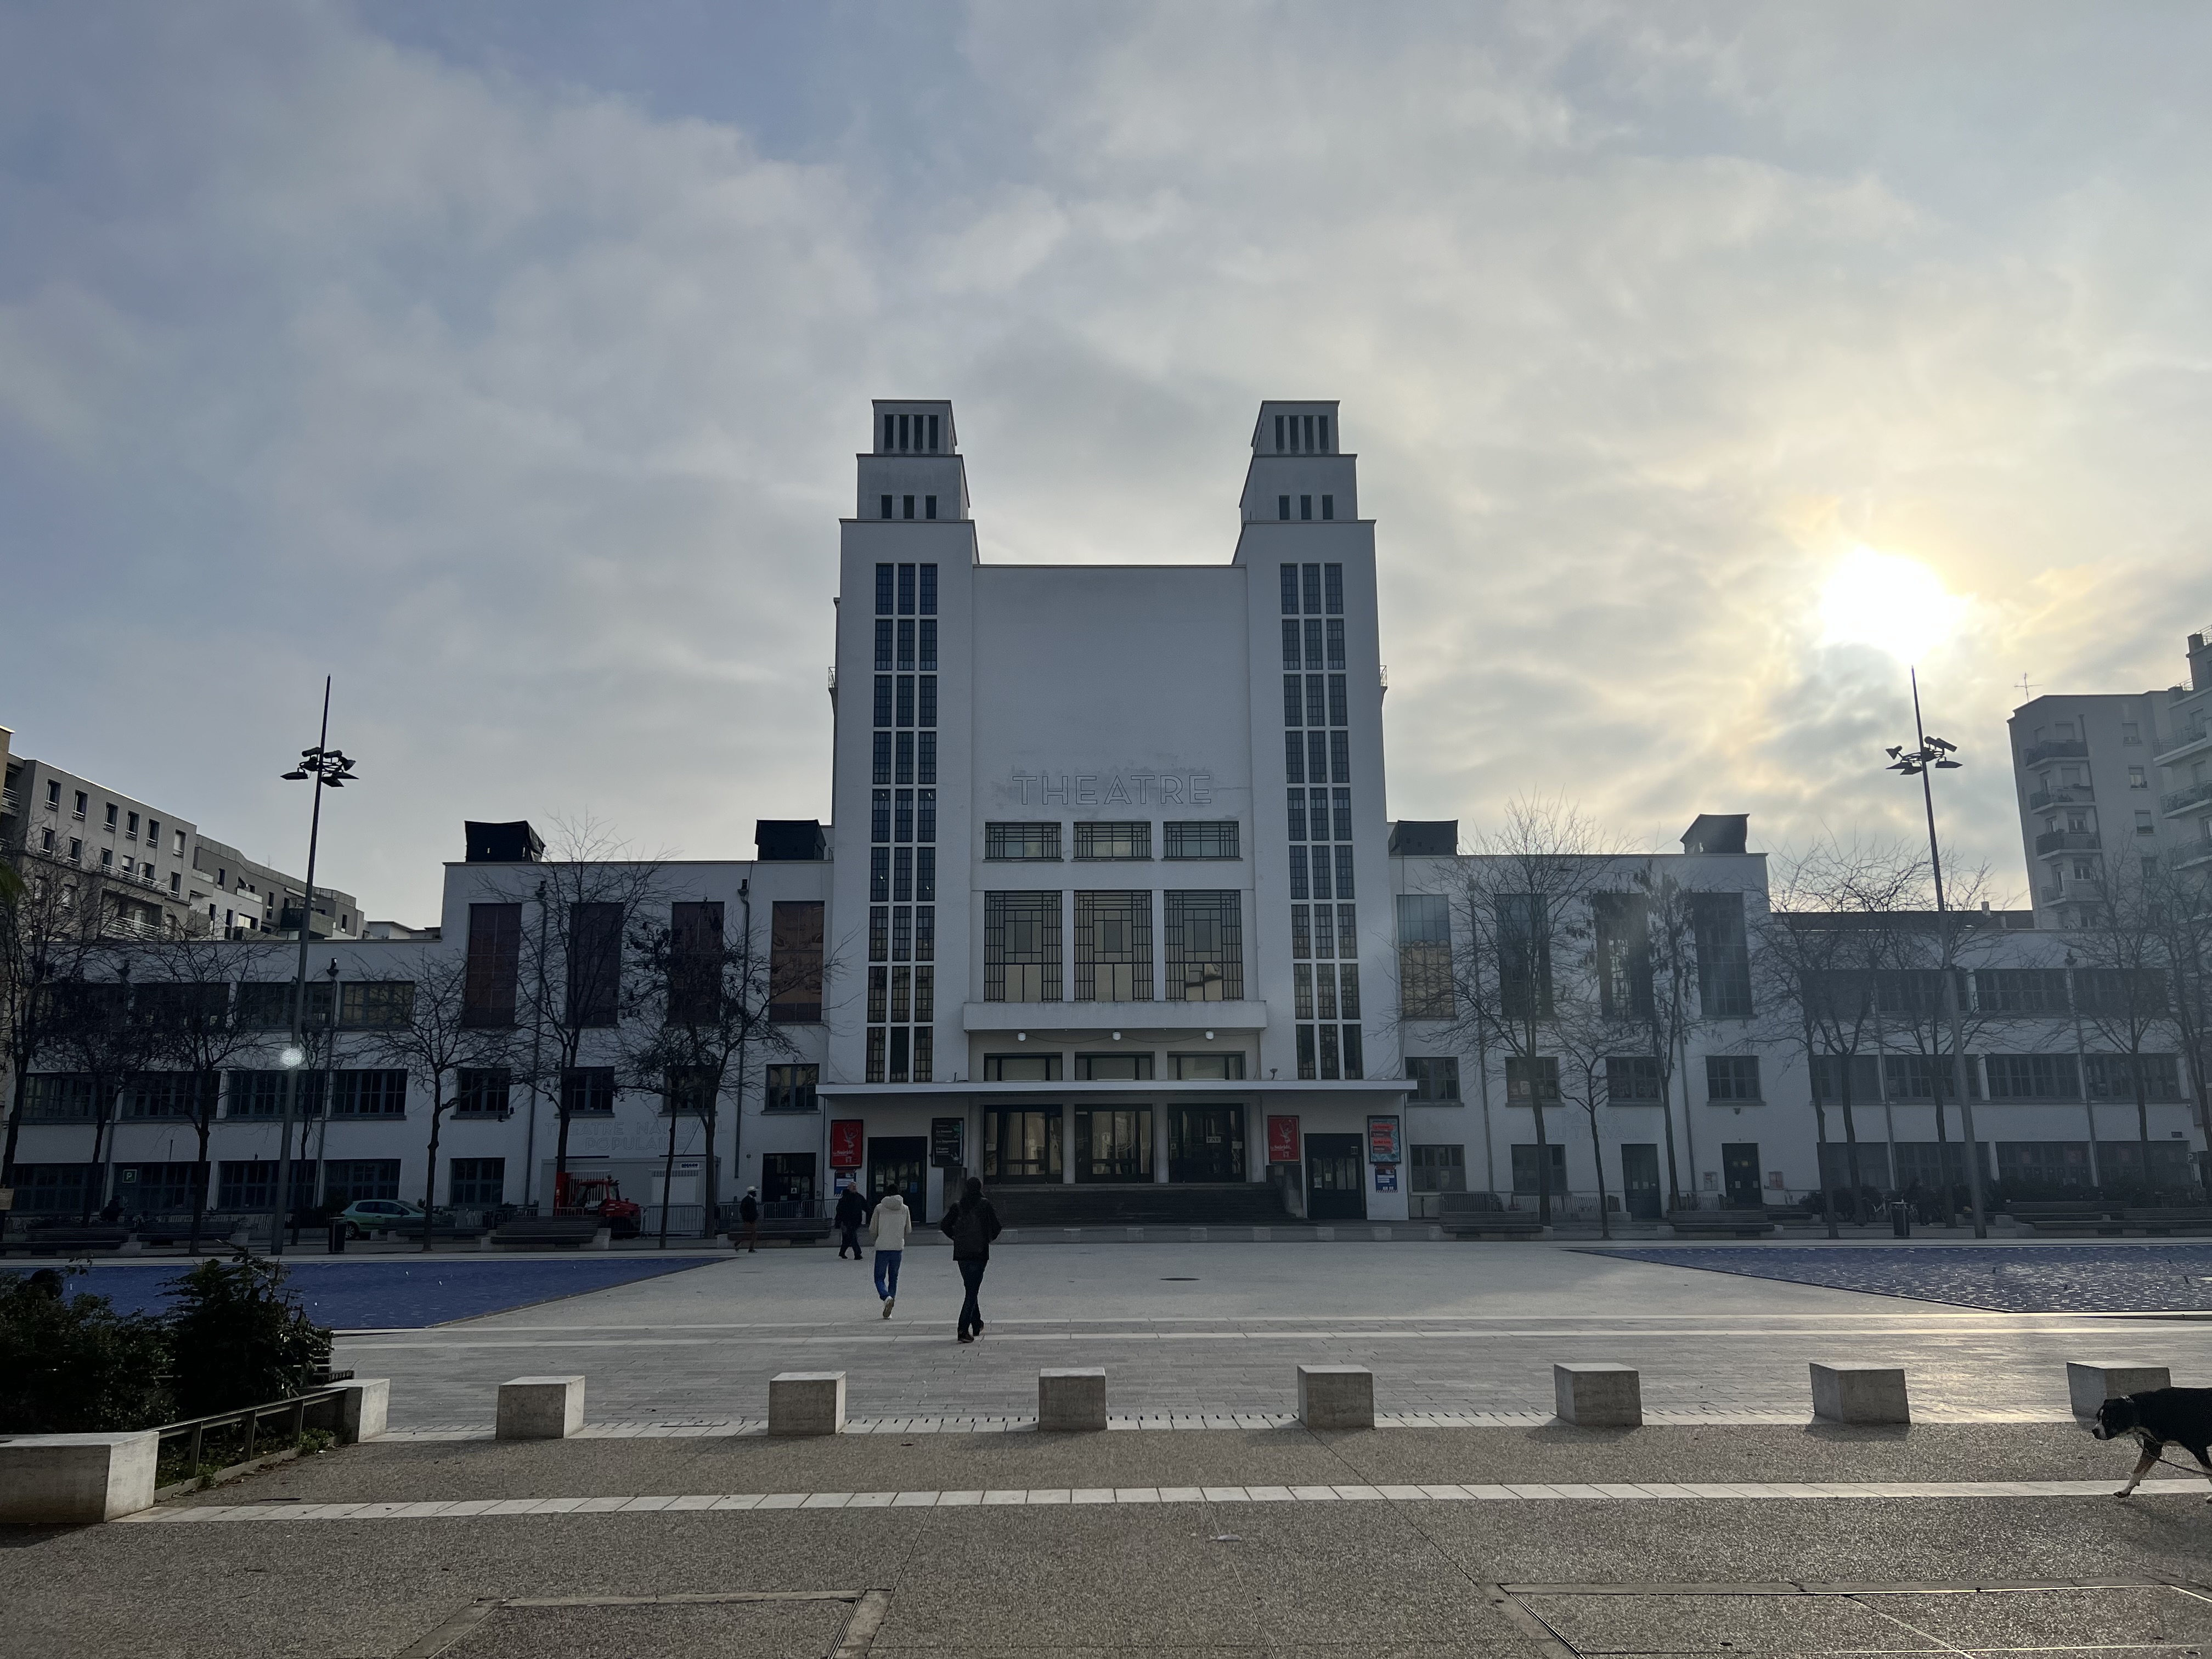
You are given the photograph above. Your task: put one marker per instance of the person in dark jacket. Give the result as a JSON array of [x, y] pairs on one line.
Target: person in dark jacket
[[852, 1210], [749, 1214], [971, 1225]]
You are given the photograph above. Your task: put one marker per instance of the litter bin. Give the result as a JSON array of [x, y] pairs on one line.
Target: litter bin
[[337, 1237], [1900, 1218]]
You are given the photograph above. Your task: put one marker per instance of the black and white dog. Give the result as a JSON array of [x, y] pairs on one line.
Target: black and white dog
[[2157, 1416]]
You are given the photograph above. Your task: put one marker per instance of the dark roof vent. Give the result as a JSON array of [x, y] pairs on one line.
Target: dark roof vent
[[790, 840], [504, 843], [1438, 838], [1717, 832]]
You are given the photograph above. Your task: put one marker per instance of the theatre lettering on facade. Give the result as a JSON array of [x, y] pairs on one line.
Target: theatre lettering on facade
[[1111, 910]]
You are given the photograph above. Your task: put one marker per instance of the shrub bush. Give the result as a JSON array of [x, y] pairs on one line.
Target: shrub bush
[[240, 1338], [74, 1365]]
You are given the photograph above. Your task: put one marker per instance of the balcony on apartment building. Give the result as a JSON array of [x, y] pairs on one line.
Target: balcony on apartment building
[[2192, 738], [2064, 749], [2175, 802], [2067, 841], [2066, 794]]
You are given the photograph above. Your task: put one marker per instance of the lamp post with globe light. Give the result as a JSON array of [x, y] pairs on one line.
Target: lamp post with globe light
[[1934, 755], [330, 769]]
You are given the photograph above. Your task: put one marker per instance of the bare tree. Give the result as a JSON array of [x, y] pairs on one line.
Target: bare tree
[[200, 1027], [1586, 1042], [50, 937], [107, 1034], [421, 1025], [2124, 989], [1646, 966], [1521, 907], [2180, 913], [590, 897], [1821, 947], [697, 1001]]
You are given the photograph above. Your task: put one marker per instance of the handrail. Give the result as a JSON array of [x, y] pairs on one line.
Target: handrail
[[248, 1417]]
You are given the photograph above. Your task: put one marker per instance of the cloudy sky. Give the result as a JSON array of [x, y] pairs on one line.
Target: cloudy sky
[[506, 360]]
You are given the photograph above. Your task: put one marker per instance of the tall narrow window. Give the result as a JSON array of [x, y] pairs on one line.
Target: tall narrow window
[[905, 646], [1325, 449], [1336, 642], [883, 577], [1294, 757], [883, 684], [1282, 507], [1312, 585], [1313, 644], [929, 590], [1021, 947], [907, 504], [1205, 946], [881, 773], [887, 506], [884, 645], [1333, 576], [694, 990], [1305, 507], [1290, 578], [1329, 507], [926, 767], [495, 956], [595, 947], [1723, 956], [906, 576], [1279, 434], [1113, 947], [933, 434], [1291, 657], [929, 626]]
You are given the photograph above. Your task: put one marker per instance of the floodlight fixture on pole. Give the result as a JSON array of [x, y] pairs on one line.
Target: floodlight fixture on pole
[[331, 769], [1934, 755]]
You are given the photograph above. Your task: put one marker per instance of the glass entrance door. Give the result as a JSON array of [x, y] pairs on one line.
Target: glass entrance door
[[1739, 1175], [1113, 1145], [1206, 1143], [899, 1163], [1022, 1145], [1639, 1180], [1336, 1183]]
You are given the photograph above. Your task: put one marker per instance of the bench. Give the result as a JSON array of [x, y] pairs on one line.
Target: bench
[[73, 1238], [2163, 1221], [570, 1232], [1720, 1223], [1479, 1215], [784, 1230], [2064, 1217]]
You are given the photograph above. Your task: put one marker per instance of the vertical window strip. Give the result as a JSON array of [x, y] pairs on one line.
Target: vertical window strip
[[906, 701], [879, 874], [924, 1050], [1306, 1068], [882, 771], [1343, 814], [1290, 581], [925, 874], [879, 815], [1340, 757], [1302, 995], [1317, 816], [929, 590], [1327, 1036], [1355, 1058], [1293, 701], [1348, 977], [1297, 804], [925, 933], [1344, 873], [1294, 757], [925, 815], [1313, 644], [1311, 583], [884, 586], [1316, 758], [904, 817], [900, 1037], [879, 932], [901, 934], [929, 645], [876, 1046], [928, 715], [1290, 658], [1336, 642], [1300, 932], [1298, 872], [1317, 867], [884, 643], [1347, 930], [1339, 704], [1324, 935], [903, 772], [883, 682], [926, 770], [1333, 575], [906, 576], [1316, 705]]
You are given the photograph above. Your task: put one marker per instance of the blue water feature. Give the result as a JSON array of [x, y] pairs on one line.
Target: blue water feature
[[2039, 1278], [392, 1293]]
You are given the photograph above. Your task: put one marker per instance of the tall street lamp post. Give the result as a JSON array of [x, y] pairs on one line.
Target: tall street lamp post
[[1934, 755], [329, 770]]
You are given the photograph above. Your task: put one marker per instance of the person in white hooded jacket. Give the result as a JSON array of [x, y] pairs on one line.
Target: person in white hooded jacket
[[887, 1228]]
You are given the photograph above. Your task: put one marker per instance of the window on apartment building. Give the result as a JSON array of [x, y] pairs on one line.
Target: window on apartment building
[[1435, 1081], [1521, 1069], [1112, 840], [112, 811], [484, 1091], [81, 802], [595, 953], [2138, 778], [2033, 1077], [1021, 947], [478, 1182], [53, 792], [1425, 969], [2130, 731], [1723, 954], [494, 964], [1631, 1080], [588, 1091], [1205, 1068], [346, 1179], [2020, 990], [2143, 825], [1283, 506], [2113, 1077], [791, 1088], [1205, 947], [1622, 924], [107, 858], [373, 1005], [694, 984], [76, 850], [1732, 1077], [1021, 1068], [130, 826], [1114, 947], [1524, 955], [381, 1093], [794, 961], [45, 840], [1113, 1068], [1206, 838], [1014, 842]]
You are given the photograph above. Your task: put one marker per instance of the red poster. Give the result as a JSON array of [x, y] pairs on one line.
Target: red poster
[[1282, 1140], [846, 1137], [1381, 1140]]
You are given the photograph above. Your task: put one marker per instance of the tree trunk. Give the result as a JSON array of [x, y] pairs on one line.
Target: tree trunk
[[1666, 1118], [667, 1172], [430, 1176], [2142, 1124], [200, 1186], [15, 1119]]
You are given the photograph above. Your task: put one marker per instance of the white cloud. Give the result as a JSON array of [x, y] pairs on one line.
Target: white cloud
[[531, 411]]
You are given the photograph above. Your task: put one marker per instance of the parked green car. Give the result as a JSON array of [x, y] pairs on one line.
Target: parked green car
[[379, 1215]]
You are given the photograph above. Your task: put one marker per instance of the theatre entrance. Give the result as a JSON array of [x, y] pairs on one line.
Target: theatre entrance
[[1206, 1144], [1336, 1184]]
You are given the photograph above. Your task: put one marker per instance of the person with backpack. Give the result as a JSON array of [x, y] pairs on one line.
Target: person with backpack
[[888, 1227], [852, 1210], [971, 1225], [748, 1216]]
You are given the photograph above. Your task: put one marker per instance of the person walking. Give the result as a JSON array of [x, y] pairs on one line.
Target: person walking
[[971, 1225], [852, 1210], [749, 1218], [887, 1228]]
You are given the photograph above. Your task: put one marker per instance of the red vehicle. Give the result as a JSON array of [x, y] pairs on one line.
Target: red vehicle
[[600, 1196]]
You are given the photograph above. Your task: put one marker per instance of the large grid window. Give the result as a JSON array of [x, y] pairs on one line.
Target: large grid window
[[1205, 946], [1011, 842], [1435, 1081], [1203, 839], [1105, 841], [369, 1094], [1723, 954], [1732, 1077], [794, 961], [1425, 969], [476, 1181], [1114, 947], [493, 962], [1021, 947]]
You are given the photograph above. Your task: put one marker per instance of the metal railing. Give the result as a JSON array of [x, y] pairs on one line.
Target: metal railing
[[2072, 794], [2181, 738], [2181, 800], [2067, 841], [193, 1430], [2064, 749]]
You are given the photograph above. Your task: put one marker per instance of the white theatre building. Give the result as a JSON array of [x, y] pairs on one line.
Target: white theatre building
[[1111, 912]]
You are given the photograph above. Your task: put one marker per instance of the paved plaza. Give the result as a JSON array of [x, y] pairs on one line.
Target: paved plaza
[[1196, 1331], [1730, 1526]]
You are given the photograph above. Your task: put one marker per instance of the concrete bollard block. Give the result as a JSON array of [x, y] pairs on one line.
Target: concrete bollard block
[[1598, 1396], [806, 1402], [1072, 1401], [602, 1240], [1336, 1396], [541, 1407], [1860, 1393], [77, 1478], [2089, 1386], [364, 1403]]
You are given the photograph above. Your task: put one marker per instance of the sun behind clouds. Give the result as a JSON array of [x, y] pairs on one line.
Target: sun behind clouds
[[1887, 601]]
